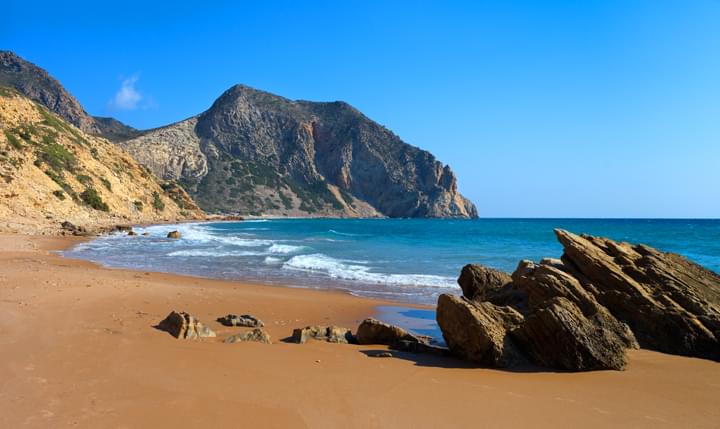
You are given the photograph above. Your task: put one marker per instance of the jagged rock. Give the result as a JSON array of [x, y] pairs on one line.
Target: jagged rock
[[256, 335], [132, 233], [185, 326], [479, 331], [174, 234], [75, 229], [671, 304], [373, 331], [244, 320], [477, 281], [330, 334], [558, 335], [583, 311], [549, 280]]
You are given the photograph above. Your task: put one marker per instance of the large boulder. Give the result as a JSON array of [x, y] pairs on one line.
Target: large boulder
[[174, 235], [479, 331], [330, 334], [583, 311], [671, 304], [185, 326], [558, 335]]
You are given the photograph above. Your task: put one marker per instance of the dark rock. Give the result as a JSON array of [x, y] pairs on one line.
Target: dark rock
[[559, 336], [373, 331], [123, 228], [256, 335], [145, 234], [479, 331], [132, 233], [244, 320], [330, 334], [74, 229], [185, 326], [671, 304], [381, 355], [174, 234], [477, 281]]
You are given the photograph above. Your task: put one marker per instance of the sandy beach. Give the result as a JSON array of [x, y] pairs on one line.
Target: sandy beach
[[79, 350]]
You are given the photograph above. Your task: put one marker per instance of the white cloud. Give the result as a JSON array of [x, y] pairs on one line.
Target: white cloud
[[127, 97]]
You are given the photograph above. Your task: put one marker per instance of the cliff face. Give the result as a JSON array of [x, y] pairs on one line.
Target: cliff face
[[36, 84], [255, 152], [51, 171]]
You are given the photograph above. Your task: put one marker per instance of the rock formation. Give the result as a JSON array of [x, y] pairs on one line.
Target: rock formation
[[174, 235], [256, 335], [254, 152], [330, 334], [582, 312], [182, 325], [373, 331], [244, 320]]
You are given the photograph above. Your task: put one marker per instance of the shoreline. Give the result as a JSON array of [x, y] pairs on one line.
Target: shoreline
[[80, 350]]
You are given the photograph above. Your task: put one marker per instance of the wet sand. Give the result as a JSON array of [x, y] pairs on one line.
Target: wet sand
[[79, 350]]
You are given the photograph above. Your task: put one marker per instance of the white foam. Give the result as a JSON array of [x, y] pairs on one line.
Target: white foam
[[212, 253], [284, 248], [351, 270], [272, 260]]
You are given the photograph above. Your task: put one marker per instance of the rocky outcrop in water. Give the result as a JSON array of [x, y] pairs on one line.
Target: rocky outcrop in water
[[582, 312], [254, 152]]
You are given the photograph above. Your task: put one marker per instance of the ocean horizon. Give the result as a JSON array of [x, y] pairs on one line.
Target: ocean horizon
[[404, 260]]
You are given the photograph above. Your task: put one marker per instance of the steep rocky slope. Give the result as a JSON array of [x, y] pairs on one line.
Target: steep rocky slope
[[255, 152], [50, 172], [36, 84]]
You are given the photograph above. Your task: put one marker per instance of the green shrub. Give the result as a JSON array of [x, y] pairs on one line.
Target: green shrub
[[90, 197], [14, 141], [84, 179], [138, 205], [57, 157], [59, 194], [106, 183], [158, 203]]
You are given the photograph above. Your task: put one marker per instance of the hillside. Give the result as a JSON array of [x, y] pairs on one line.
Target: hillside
[[51, 171], [36, 84], [254, 152]]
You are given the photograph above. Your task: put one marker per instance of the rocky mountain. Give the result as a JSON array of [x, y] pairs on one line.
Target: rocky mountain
[[583, 311], [52, 172], [257, 153], [36, 84]]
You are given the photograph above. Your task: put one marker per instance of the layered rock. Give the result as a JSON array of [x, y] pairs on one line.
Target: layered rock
[[244, 320], [254, 152], [256, 335], [373, 331], [182, 325], [330, 334], [582, 312]]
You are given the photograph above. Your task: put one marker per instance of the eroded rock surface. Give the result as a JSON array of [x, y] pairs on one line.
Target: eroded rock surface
[[583, 311], [185, 326], [330, 334], [256, 335], [244, 320]]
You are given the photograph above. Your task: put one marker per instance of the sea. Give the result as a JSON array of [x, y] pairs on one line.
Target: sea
[[403, 260]]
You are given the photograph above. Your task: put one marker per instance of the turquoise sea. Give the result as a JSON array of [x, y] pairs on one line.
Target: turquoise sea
[[406, 260]]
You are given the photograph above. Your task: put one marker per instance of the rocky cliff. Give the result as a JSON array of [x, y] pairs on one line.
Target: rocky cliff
[[51, 172], [36, 84], [582, 312], [258, 153]]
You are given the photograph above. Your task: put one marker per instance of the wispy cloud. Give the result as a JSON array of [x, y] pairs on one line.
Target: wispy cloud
[[127, 97]]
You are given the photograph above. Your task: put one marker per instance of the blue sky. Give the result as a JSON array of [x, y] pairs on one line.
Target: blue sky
[[607, 108]]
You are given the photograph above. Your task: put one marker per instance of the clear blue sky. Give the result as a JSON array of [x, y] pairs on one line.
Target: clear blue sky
[[543, 108]]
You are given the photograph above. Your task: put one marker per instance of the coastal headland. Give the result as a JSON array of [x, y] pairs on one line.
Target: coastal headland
[[80, 350]]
